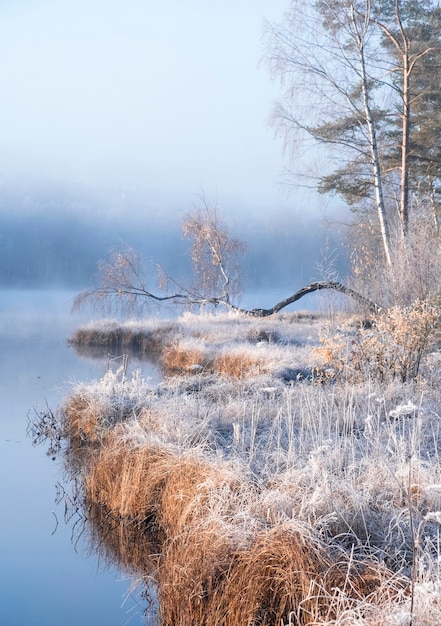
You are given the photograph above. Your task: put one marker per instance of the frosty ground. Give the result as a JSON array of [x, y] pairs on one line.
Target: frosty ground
[[260, 482]]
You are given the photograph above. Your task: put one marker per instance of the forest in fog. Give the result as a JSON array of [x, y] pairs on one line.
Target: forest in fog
[[54, 236]]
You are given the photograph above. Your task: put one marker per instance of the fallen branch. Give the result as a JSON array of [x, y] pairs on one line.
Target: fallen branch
[[187, 298], [347, 291]]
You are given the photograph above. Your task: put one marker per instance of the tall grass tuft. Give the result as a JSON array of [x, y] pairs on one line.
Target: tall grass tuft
[[265, 499]]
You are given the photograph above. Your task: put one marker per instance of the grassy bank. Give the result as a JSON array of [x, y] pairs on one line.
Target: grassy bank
[[260, 482], [226, 344]]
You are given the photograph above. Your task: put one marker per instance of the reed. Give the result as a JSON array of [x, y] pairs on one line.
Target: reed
[[178, 359], [266, 501], [147, 340], [224, 344]]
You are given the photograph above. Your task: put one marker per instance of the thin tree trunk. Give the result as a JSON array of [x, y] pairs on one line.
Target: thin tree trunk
[[404, 191], [372, 307], [379, 197], [186, 298], [404, 195]]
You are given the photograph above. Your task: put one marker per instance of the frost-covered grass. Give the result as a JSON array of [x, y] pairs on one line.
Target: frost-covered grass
[[227, 343], [269, 499]]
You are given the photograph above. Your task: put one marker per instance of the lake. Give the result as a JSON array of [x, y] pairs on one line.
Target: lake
[[45, 579]]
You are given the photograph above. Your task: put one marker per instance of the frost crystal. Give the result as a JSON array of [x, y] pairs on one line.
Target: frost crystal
[[403, 618], [403, 410], [433, 515]]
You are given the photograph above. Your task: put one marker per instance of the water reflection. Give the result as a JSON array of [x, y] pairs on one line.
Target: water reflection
[[43, 579], [127, 358], [127, 544]]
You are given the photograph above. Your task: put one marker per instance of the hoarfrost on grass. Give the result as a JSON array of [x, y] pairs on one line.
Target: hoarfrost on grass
[[404, 410], [343, 458]]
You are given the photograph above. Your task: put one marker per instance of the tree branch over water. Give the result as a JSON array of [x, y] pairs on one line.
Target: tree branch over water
[[312, 287], [120, 287], [123, 284]]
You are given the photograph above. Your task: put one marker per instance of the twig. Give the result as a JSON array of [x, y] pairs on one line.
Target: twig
[[56, 523]]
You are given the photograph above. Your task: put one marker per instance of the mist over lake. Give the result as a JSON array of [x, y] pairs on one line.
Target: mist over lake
[[45, 578], [54, 236], [51, 239], [220, 313]]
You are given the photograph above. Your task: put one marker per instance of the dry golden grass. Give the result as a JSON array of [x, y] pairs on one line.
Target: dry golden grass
[[122, 541], [82, 418], [282, 574], [146, 341], [144, 482], [255, 492], [219, 561], [125, 480], [192, 571], [214, 565], [228, 344], [393, 347], [87, 418], [288, 575], [274, 578], [238, 365], [234, 363], [180, 359]]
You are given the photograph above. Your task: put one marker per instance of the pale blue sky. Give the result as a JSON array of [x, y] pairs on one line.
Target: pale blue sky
[[166, 96]]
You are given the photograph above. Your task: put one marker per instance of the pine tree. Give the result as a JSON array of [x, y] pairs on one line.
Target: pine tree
[[369, 72]]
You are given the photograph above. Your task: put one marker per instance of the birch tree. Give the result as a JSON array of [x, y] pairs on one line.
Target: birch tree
[[123, 281], [348, 72], [124, 284]]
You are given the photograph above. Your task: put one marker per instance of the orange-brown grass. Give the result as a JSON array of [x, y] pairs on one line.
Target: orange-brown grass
[[218, 561], [148, 342], [237, 365], [282, 574], [273, 579], [125, 481], [125, 542], [87, 418], [231, 344], [81, 418], [192, 572], [146, 482], [288, 575], [243, 485], [180, 359], [392, 347]]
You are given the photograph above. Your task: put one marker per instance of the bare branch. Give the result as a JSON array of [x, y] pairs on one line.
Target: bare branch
[[312, 287], [123, 284]]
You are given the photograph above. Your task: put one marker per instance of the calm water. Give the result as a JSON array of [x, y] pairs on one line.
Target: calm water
[[43, 579]]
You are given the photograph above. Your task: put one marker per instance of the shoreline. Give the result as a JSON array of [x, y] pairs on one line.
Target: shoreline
[[221, 477]]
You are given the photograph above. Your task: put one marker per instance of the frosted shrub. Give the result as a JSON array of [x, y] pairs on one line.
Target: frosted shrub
[[392, 348]]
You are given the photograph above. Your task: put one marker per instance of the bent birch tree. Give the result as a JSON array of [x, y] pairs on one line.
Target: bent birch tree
[[124, 284]]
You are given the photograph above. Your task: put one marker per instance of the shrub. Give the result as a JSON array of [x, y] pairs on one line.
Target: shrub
[[392, 348]]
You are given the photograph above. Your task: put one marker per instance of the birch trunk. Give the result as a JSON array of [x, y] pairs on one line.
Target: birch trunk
[[378, 185]]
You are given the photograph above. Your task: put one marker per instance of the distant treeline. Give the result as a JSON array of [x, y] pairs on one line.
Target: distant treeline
[[47, 250], [48, 241]]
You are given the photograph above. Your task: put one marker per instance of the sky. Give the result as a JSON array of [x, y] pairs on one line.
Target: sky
[[166, 98]]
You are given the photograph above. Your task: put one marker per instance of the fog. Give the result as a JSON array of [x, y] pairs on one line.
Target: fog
[[117, 116], [53, 238], [165, 98]]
